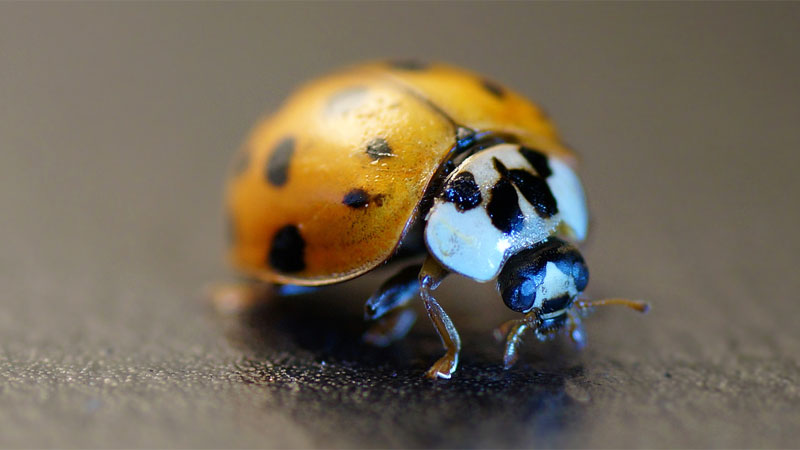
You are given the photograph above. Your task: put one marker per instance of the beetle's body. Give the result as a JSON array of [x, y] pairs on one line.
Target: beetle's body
[[328, 187], [351, 155]]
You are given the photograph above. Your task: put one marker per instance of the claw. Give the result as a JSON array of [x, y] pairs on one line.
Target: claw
[[444, 367]]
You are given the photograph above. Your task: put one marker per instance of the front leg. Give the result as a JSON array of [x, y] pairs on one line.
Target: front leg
[[430, 277], [575, 330], [513, 331]]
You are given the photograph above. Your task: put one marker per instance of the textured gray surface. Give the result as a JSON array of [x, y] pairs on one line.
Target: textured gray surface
[[117, 122]]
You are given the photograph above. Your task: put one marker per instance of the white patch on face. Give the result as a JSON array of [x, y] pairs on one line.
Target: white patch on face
[[566, 188], [556, 283], [466, 242]]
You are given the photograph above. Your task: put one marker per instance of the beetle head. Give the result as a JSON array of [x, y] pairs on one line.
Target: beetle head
[[546, 278]]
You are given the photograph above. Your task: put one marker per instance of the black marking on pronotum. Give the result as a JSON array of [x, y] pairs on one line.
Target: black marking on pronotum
[[536, 192], [500, 168], [479, 141], [537, 160], [378, 148], [493, 88], [535, 189], [346, 100], [288, 250], [503, 207], [408, 64], [463, 191], [356, 198], [277, 169]]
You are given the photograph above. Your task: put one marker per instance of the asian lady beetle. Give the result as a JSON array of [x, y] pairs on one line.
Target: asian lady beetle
[[392, 157]]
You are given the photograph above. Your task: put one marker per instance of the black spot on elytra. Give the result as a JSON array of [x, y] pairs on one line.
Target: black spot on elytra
[[493, 88], [536, 191], [346, 100], [537, 160], [357, 198], [408, 64], [288, 249], [463, 191], [277, 169], [503, 207], [378, 148]]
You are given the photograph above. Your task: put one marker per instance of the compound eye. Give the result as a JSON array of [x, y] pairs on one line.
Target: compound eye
[[519, 280], [580, 273], [520, 297]]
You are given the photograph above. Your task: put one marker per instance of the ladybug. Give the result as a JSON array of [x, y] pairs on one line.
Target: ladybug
[[400, 158]]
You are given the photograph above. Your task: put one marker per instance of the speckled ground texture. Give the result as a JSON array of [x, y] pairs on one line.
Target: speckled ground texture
[[116, 127]]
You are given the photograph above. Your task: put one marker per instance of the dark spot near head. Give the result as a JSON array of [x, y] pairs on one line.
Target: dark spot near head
[[241, 161], [378, 148], [346, 100], [277, 169], [493, 88], [288, 249], [408, 64], [559, 303], [503, 207], [538, 160], [536, 191], [356, 198], [463, 191]]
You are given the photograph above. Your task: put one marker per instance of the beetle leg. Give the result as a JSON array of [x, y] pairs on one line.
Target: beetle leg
[[395, 293], [513, 330], [575, 329], [390, 328], [389, 305], [512, 344], [430, 277]]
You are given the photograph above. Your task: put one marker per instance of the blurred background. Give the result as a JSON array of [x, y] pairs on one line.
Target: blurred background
[[117, 124]]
